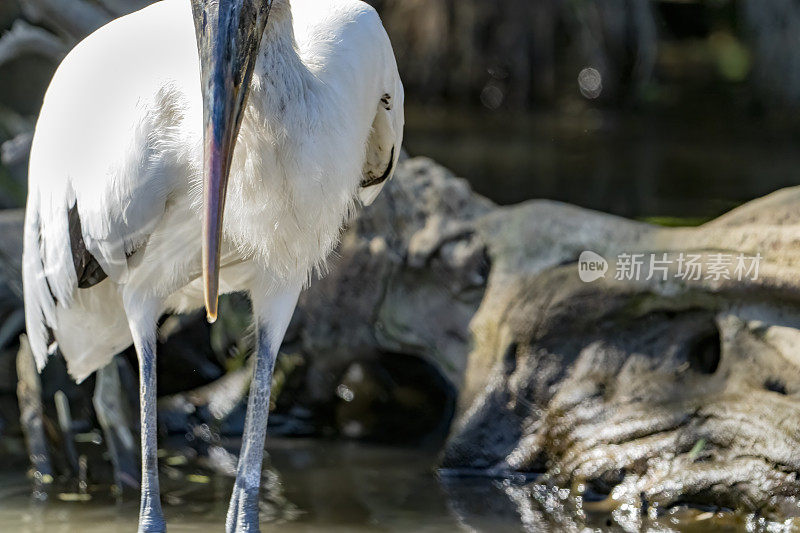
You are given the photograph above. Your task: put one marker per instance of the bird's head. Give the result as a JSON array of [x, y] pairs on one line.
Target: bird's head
[[229, 36]]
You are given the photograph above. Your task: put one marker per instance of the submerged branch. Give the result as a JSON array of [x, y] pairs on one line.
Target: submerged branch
[[16, 150], [25, 39]]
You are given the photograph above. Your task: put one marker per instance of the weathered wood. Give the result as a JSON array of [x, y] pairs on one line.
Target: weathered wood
[[17, 150], [29, 390], [664, 392], [109, 403], [11, 224]]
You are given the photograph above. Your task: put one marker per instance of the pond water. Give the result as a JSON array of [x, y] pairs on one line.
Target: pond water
[[329, 486], [694, 161], [310, 486]]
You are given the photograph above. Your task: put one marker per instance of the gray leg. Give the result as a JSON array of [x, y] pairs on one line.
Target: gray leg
[[243, 510], [151, 518], [272, 319], [109, 405]]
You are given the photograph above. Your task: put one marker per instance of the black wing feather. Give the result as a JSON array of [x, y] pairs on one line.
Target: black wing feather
[[87, 269]]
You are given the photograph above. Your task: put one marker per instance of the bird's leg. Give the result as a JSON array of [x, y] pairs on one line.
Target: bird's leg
[[272, 316], [143, 330], [151, 518]]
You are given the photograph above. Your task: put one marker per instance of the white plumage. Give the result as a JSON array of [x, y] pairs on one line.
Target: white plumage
[[120, 140], [120, 132]]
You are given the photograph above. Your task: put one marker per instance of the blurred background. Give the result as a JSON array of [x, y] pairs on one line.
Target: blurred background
[[657, 109], [670, 111]]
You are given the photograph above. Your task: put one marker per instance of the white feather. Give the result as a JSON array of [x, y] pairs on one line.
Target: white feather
[[120, 133]]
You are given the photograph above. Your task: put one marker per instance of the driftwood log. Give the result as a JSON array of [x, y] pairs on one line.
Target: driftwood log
[[647, 393], [639, 394]]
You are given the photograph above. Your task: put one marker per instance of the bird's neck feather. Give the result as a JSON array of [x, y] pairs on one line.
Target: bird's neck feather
[[281, 79]]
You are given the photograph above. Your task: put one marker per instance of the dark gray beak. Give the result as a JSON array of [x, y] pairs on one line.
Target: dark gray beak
[[229, 35]]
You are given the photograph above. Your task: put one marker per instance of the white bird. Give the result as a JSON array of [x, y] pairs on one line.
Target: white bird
[[281, 115]]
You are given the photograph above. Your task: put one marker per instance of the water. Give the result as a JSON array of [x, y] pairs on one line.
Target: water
[[330, 486], [693, 161], [321, 486]]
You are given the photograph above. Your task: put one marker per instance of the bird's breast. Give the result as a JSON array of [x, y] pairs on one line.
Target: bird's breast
[[288, 196]]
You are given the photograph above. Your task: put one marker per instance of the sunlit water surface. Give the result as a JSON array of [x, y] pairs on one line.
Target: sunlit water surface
[[327, 486], [322, 486]]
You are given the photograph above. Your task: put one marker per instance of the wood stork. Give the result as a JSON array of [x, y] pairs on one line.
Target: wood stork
[[280, 115]]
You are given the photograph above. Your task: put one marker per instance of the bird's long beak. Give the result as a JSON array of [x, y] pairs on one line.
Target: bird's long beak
[[228, 38]]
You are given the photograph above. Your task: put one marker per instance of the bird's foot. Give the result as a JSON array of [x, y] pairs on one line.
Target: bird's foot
[[243, 511], [151, 518], [152, 524]]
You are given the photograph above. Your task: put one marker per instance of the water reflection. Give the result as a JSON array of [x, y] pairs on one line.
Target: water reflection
[[309, 486], [483, 505], [320, 486]]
